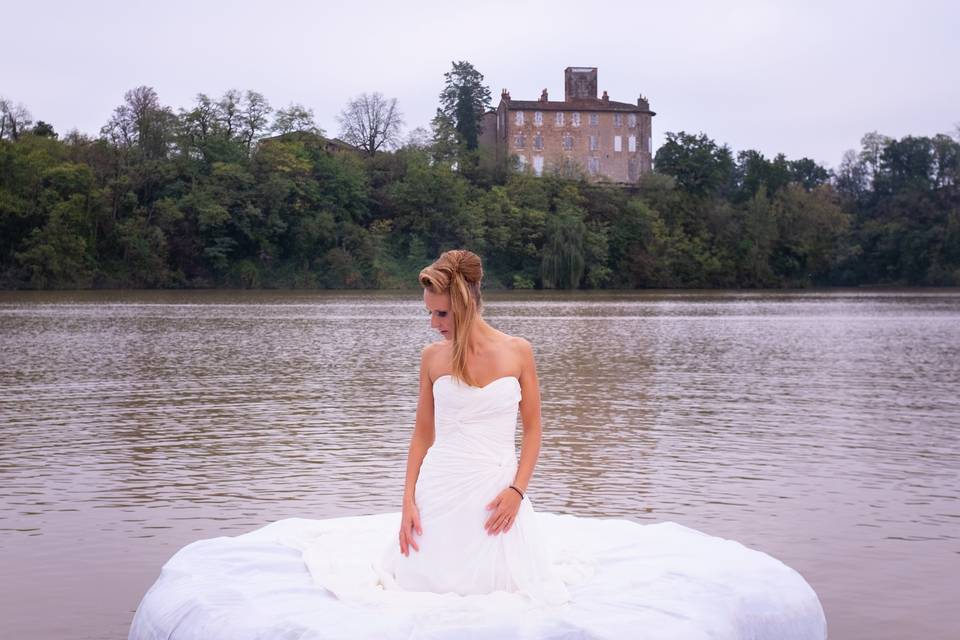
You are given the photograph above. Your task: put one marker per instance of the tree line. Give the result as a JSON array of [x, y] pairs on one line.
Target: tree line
[[232, 193]]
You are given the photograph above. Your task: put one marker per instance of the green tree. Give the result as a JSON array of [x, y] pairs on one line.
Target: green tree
[[700, 166], [563, 258], [463, 101]]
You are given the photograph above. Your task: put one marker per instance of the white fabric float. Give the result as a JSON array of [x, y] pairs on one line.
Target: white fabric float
[[626, 580]]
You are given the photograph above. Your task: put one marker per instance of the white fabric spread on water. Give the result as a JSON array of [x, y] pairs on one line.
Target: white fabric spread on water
[[657, 581], [550, 576]]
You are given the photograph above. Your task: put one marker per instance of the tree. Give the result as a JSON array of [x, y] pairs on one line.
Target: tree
[[141, 122], [14, 119], [44, 130], [419, 138], [807, 173], [947, 153], [851, 179], [754, 172], [229, 110], [253, 118], [444, 146], [872, 145], [563, 259], [295, 117], [371, 122], [463, 101], [906, 165], [700, 165]]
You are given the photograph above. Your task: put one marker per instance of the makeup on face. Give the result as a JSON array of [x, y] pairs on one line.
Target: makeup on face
[[438, 306]]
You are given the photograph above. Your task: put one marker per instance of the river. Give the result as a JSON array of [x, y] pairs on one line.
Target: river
[[822, 427]]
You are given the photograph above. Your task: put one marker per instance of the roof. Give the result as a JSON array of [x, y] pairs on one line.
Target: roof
[[579, 104], [303, 136]]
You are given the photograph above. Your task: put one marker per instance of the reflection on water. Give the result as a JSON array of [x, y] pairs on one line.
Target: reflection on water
[[820, 427]]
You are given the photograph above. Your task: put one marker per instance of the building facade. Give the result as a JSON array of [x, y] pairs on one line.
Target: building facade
[[605, 139]]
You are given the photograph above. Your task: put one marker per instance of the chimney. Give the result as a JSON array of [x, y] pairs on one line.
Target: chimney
[[579, 83], [605, 97], [643, 103], [505, 95], [543, 96]]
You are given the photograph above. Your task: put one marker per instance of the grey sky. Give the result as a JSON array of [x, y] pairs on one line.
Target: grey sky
[[805, 78]]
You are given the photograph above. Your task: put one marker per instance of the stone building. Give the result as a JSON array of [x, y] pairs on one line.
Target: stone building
[[608, 140]]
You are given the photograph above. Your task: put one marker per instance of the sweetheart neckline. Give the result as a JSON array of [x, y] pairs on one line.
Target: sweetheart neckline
[[447, 375]]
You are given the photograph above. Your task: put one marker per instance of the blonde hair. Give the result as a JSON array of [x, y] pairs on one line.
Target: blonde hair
[[458, 273]]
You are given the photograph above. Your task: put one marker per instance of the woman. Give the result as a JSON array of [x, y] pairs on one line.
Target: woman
[[466, 526]]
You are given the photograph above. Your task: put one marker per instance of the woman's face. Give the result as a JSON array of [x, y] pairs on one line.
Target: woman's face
[[441, 317]]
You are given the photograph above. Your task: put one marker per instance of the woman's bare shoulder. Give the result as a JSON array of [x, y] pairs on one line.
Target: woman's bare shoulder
[[433, 355], [515, 342], [434, 348], [519, 348]]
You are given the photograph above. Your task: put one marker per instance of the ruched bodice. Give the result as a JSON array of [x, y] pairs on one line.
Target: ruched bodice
[[478, 423]]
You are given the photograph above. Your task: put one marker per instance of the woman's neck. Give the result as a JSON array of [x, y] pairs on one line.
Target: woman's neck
[[481, 335]]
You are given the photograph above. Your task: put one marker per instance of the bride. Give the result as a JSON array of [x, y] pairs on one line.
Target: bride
[[466, 525]]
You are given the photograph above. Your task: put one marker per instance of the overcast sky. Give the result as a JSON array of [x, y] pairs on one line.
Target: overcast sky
[[803, 78]]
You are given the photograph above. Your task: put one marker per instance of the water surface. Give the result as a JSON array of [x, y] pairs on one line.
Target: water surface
[[819, 427]]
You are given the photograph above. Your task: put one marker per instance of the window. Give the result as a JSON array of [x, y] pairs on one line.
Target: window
[[538, 165], [594, 143], [649, 144], [618, 119], [568, 143], [538, 141], [594, 119], [575, 119], [520, 141], [632, 144], [519, 118], [632, 120], [521, 162], [559, 118], [617, 144], [593, 166], [538, 118]]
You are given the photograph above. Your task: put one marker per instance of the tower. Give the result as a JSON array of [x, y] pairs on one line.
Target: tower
[[579, 83]]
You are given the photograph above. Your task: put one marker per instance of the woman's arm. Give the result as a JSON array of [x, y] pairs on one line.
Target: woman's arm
[[530, 416], [506, 505], [420, 442]]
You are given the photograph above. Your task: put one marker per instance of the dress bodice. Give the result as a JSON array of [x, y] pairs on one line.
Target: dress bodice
[[481, 420]]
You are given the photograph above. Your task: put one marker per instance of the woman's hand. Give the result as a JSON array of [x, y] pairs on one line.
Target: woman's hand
[[409, 523], [505, 507]]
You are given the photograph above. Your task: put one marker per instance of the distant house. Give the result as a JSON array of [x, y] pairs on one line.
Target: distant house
[[608, 140]]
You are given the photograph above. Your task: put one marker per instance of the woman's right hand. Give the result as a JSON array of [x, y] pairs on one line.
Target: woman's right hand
[[409, 523]]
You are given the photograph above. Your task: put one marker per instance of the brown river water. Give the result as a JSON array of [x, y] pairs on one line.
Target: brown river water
[[822, 427]]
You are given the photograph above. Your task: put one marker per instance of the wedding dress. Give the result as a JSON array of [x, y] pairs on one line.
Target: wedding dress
[[550, 576], [472, 460]]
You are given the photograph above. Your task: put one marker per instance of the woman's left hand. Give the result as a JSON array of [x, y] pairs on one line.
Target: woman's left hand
[[505, 507]]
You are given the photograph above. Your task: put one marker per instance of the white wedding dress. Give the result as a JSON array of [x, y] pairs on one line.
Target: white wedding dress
[[472, 460], [550, 576]]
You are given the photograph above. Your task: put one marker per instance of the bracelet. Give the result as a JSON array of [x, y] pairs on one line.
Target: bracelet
[[518, 491]]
